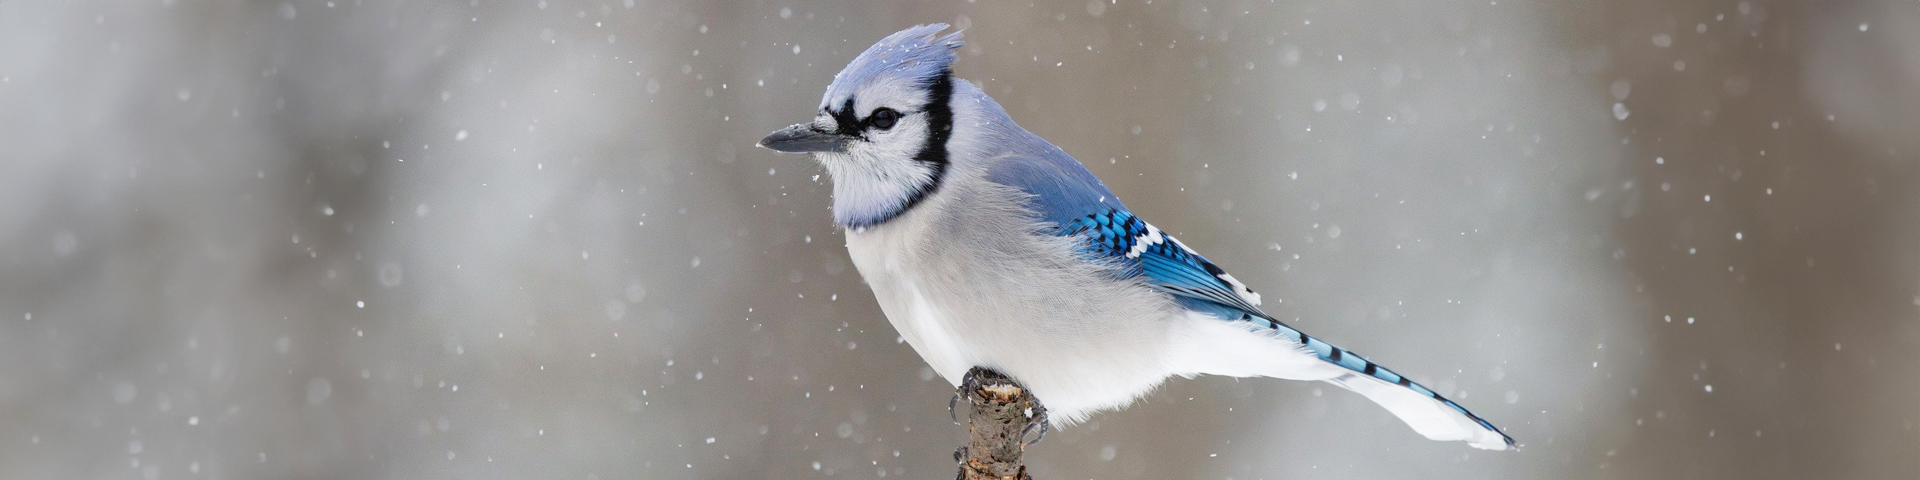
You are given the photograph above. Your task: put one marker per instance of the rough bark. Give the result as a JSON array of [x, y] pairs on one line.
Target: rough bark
[[1000, 414]]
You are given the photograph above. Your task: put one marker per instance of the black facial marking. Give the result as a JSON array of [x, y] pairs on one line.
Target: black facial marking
[[844, 120], [932, 153]]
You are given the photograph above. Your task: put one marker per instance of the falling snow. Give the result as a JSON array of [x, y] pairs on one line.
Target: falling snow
[[232, 260]]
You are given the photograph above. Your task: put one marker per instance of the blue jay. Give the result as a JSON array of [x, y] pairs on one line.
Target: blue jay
[[989, 247]]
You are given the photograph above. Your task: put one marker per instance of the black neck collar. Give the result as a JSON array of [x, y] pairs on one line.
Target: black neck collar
[[932, 154]]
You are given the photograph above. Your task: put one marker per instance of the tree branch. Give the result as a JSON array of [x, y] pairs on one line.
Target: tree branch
[[1000, 413]]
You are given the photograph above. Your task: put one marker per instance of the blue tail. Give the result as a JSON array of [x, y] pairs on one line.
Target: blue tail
[[1396, 392]]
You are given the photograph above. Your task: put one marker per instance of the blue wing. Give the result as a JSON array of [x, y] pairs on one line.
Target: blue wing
[[1169, 266], [1066, 195]]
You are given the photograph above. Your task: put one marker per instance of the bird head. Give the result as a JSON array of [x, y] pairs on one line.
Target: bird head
[[883, 126]]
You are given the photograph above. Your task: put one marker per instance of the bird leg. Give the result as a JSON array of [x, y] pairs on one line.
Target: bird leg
[[1001, 414], [1037, 429], [951, 414]]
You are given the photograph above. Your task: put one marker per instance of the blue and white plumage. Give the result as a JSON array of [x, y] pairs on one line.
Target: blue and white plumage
[[989, 247]]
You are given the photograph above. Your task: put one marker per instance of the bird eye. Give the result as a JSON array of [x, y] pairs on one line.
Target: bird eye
[[883, 118]]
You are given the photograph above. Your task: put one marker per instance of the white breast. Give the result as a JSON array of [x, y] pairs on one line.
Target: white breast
[[881, 256], [928, 328], [975, 287]]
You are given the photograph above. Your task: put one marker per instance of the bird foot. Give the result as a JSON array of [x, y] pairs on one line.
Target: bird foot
[[971, 383], [1038, 429], [1003, 418], [977, 378]]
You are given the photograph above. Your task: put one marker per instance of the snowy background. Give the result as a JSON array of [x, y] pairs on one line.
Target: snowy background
[[532, 239]]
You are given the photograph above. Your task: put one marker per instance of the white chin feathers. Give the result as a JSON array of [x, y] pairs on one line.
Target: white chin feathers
[[872, 185]]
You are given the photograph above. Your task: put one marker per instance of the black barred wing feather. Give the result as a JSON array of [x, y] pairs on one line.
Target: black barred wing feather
[[1169, 266]]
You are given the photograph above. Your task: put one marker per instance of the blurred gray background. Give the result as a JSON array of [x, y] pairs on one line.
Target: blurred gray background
[[532, 239]]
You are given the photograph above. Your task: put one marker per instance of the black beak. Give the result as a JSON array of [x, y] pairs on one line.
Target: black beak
[[805, 138]]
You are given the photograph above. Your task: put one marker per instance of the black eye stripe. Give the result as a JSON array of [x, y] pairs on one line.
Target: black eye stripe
[[844, 120], [938, 115], [849, 124]]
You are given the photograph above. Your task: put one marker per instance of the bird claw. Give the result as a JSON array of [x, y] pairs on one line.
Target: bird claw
[[1037, 426], [971, 381], [968, 385], [1039, 423], [951, 414]]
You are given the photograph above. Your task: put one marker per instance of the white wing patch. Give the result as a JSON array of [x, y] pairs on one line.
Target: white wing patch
[[1149, 239], [1240, 288]]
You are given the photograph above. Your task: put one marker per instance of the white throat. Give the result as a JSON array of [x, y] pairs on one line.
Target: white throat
[[873, 186]]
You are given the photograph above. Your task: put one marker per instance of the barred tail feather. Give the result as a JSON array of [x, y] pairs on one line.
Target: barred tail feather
[[1430, 415], [1246, 348]]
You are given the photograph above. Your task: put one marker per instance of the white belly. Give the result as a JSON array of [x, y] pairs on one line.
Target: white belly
[[928, 329], [1079, 339]]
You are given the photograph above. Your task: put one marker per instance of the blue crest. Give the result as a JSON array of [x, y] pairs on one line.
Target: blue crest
[[915, 54]]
